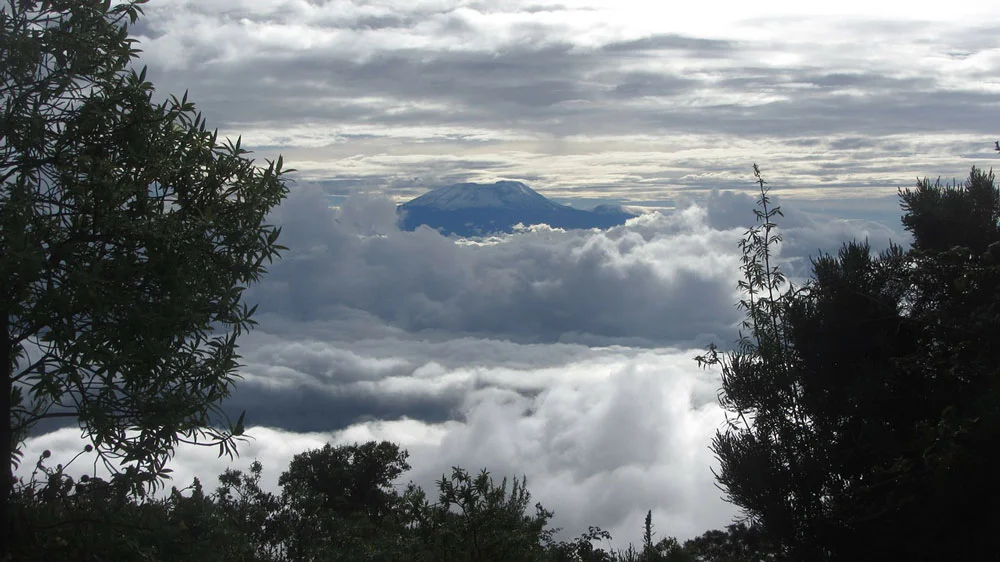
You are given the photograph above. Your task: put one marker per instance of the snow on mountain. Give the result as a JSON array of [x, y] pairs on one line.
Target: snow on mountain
[[500, 195], [472, 209]]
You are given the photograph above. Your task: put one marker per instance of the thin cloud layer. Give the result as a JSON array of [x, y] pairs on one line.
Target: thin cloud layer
[[588, 99]]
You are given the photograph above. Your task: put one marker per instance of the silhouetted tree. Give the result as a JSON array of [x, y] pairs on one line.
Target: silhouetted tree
[[581, 548], [341, 503], [737, 543], [864, 404], [477, 519], [251, 523], [128, 233]]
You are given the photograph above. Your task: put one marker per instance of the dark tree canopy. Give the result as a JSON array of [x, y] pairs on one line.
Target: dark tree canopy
[[128, 232], [472, 517], [865, 404], [347, 480], [341, 501]]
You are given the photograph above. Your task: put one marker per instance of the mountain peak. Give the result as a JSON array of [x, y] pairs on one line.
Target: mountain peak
[[499, 195], [475, 209]]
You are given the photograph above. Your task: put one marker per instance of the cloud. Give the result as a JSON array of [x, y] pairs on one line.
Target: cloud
[[537, 285], [569, 441], [566, 437], [804, 234], [563, 356], [362, 321], [375, 94], [661, 279]]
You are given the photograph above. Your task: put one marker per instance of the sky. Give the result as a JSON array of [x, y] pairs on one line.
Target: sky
[[564, 356], [628, 100]]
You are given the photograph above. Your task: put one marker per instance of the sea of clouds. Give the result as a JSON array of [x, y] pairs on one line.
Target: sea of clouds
[[562, 356]]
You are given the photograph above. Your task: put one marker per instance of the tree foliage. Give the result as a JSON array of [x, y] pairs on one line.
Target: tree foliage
[[128, 232], [340, 503], [478, 519], [471, 517], [864, 404]]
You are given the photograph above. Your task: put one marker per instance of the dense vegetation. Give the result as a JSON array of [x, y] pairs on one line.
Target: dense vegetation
[[865, 404], [128, 233], [336, 503]]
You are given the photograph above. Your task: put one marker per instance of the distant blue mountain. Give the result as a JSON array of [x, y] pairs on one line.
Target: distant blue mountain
[[475, 209]]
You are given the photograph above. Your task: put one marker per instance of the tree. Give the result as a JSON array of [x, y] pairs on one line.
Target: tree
[[252, 520], [765, 436], [91, 519], [864, 405], [128, 233], [738, 543], [341, 503], [582, 549], [478, 520], [955, 307]]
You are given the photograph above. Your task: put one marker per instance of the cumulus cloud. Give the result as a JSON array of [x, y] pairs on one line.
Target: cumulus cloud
[[805, 234], [360, 320], [664, 278], [600, 438], [658, 279]]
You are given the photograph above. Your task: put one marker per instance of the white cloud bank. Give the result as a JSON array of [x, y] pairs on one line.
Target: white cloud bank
[[600, 441]]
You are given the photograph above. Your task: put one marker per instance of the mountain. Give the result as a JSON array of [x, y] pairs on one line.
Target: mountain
[[475, 209]]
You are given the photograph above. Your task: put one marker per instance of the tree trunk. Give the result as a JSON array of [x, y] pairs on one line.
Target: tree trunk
[[6, 436]]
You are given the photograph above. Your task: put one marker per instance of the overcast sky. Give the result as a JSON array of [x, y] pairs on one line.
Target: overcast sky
[[563, 356], [625, 99]]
